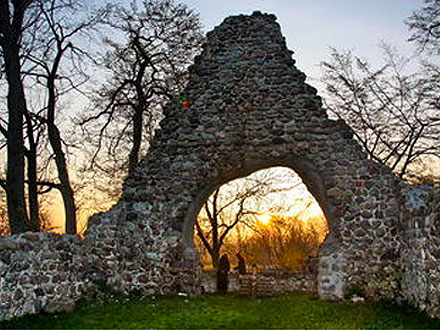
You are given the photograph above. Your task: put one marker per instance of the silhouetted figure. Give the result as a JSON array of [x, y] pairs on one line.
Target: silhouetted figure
[[241, 267], [222, 274]]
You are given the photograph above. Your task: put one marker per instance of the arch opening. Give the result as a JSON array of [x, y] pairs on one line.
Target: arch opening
[[305, 171], [268, 218]]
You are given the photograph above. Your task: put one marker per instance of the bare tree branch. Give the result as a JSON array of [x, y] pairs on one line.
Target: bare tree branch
[[392, 111], [160, 39], [424, 25]]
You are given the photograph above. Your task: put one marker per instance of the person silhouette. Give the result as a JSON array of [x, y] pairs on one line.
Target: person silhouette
[[241, 267], [222, 274]]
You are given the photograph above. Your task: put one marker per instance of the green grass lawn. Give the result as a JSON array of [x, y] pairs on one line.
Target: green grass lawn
[[229, 312]]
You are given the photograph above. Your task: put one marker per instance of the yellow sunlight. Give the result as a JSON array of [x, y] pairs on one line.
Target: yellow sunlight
[[264, 218]]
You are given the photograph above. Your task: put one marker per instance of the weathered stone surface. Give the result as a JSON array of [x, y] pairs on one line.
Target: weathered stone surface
[[37, 272]]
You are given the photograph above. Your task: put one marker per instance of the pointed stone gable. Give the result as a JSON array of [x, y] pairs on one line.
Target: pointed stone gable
[[246, 107]]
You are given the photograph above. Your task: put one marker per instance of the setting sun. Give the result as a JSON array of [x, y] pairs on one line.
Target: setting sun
[[264, 218]]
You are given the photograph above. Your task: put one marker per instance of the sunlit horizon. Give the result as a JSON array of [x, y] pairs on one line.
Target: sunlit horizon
[[286, 213]]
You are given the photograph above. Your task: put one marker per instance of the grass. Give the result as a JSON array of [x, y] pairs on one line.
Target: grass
[[229, 312]]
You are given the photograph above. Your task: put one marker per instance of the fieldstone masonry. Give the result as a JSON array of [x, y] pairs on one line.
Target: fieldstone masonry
[[246, 107], [421, 248]]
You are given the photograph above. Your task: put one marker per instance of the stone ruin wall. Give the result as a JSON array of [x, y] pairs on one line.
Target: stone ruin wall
[[249, 109], [421, 249], [41, 271], [50, 272], [264, 283]]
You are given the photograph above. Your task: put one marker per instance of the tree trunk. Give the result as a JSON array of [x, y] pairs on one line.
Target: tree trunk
[[15, 142], [60, 159], [137, 139], [32, 177], [215, 257], [63, 176], [33, 192]]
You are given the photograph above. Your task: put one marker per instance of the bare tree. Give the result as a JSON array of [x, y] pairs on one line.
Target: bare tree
[[424, 25], [12, 24], [33, 133], [146, 69], [32, 130], [233, 205], [218, 223], [50, 54], [394, 112], [57, 67]]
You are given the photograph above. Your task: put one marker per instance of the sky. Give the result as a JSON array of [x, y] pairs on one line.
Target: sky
[[312, 26]]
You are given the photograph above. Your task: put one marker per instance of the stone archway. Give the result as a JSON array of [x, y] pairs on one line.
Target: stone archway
[[305, 170], [279, 234], [248, 107]]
